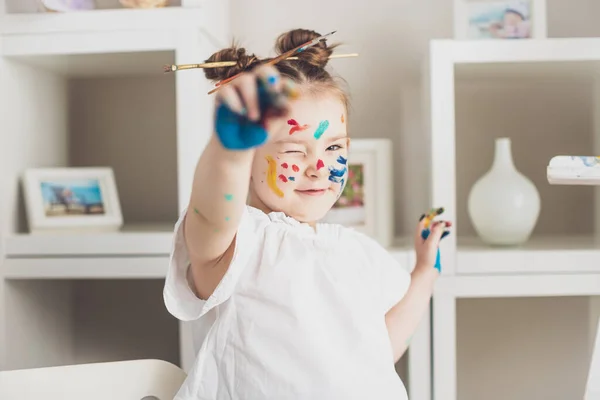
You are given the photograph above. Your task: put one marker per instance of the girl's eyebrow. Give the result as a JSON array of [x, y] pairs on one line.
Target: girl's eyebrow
[[336, 138]]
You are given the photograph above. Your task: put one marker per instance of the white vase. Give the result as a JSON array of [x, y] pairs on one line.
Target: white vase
[[504, 205]]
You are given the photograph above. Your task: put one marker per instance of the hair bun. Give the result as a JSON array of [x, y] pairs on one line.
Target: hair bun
[[238, 54], [317, 55]]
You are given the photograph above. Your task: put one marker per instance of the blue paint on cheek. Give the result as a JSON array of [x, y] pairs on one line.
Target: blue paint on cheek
[[291, 178], [337, 175], [342, 160]]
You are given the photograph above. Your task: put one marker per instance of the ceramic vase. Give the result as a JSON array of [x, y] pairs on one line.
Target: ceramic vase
[[504, 205]]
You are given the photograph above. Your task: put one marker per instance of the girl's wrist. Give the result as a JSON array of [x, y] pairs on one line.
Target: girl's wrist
[[425, 272], [229, 155]]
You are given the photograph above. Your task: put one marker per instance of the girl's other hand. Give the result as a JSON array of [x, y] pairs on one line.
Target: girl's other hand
[[426, 245]]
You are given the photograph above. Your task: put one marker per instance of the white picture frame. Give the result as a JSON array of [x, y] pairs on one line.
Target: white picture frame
[[463, 8], [372, 215], [78, 199]]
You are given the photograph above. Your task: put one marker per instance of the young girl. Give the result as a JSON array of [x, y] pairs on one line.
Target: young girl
[[285, 307]]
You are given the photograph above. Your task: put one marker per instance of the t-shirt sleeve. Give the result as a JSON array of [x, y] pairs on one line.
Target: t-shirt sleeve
[[180, 300], [393, 278]]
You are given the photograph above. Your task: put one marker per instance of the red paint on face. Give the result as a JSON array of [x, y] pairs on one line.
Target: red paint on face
[[282, 178], [320, 164], [296, 126], [295, 168], [284, 165]]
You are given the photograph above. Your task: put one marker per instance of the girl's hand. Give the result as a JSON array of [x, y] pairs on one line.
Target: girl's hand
[[427, 248], [244, 104]]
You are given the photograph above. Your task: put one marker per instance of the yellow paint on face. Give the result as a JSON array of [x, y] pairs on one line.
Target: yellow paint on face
[[272, 176]]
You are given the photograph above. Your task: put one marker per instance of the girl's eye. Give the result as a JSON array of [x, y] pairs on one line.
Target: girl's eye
[[293, 151], [334, 147]]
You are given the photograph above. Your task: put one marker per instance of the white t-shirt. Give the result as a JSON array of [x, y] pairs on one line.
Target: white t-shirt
[[300, 314]]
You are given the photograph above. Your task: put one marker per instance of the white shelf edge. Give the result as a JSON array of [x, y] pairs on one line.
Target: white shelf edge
[[108, 20], [87, 268], [530, 50], [541, 255], [89, 43], [89, 245], [551, 285]]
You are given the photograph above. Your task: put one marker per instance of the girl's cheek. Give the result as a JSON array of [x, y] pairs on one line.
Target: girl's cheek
[[287, 171], [338, 170]]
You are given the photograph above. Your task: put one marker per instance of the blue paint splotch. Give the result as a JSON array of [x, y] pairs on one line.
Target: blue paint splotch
[[291, 178], [323, 125], [337, 175]]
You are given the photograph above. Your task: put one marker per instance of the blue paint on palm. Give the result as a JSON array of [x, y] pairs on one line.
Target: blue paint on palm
[[237, 132], [438, 264]]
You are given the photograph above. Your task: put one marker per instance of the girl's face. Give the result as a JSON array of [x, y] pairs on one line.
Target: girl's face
[[302, 170]]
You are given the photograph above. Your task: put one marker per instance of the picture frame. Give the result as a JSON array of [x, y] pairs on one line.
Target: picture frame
[[366, 202], [78, 199], [500, 19]]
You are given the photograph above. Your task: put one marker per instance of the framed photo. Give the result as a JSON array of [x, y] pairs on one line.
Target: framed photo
[[500, 19], [71, 199], [366, 202]]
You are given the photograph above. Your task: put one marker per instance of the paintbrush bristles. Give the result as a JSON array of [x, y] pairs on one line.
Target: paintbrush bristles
[[220, 64]]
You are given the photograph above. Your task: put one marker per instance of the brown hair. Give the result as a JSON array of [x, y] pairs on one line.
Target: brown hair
[[308, 70]]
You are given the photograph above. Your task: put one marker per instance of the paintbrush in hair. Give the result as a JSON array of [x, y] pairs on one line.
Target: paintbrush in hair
[[221, 64]]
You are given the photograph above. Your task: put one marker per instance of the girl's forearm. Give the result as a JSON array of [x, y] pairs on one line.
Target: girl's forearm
[[403, 319], [220, 185], [219, 192]]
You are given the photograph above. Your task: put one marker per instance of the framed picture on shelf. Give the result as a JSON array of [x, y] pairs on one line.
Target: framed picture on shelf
[[499, 19], [71, 199], [365, 203]]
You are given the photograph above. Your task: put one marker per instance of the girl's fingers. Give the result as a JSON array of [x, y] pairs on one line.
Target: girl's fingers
[[246, 86], [270, 77], [229, 96], [437, 230], [420, 227]]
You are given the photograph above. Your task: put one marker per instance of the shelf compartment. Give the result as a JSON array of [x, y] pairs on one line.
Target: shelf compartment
[[541, 255], [548, 335], [116, 118], [482, 90], [66, 322]]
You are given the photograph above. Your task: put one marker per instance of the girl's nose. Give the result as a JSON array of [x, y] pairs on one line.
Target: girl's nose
[[316, 169]]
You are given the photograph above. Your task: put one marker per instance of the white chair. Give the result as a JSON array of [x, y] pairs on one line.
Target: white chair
[[121, 380]]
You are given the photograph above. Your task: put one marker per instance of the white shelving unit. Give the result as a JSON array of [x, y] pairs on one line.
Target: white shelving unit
[[86, 89], [562, 258]]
